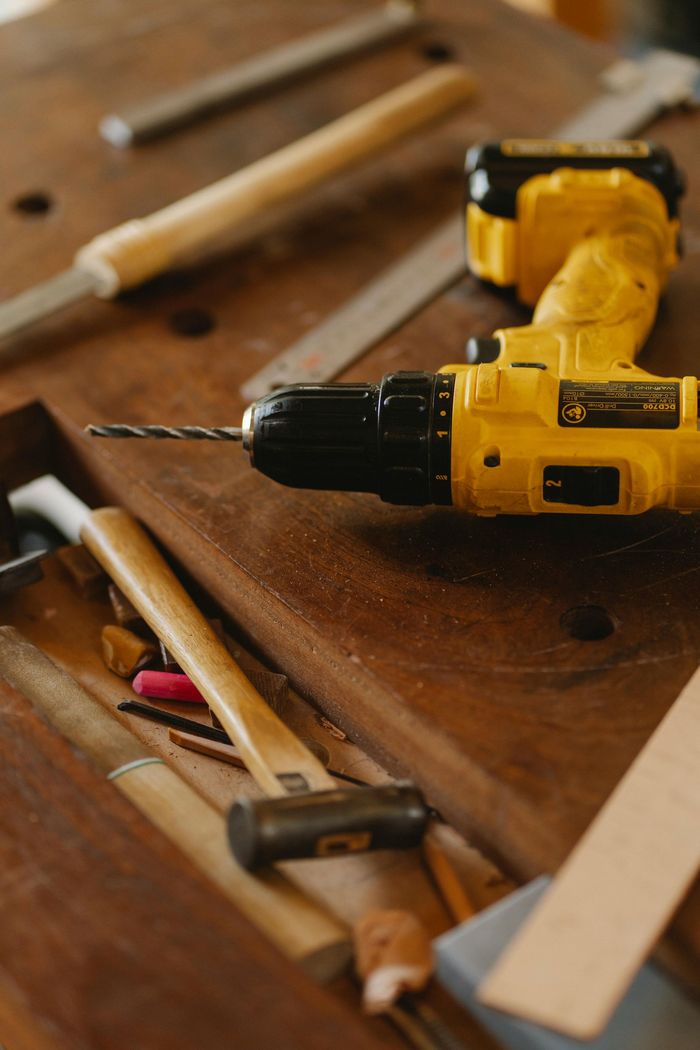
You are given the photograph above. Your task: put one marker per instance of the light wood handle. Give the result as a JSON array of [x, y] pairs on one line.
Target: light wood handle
[[140, 249], [299, 927], [275, 757]]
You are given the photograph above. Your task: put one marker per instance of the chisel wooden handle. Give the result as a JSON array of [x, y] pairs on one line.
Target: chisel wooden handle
[[302, 929], [140, 249], [275, 757]]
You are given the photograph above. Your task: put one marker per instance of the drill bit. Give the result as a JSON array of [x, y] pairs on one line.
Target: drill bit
[[124, 430]]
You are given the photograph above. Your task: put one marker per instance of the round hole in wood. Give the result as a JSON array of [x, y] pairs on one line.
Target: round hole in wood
[[35, 203], [588, 623], [436, 51], [192, 322]]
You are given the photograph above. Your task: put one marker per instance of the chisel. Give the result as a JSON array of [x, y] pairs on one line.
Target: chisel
[[138, 250], [299, 927]]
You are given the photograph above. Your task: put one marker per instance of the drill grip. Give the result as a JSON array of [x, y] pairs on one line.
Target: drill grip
[[608, 290]]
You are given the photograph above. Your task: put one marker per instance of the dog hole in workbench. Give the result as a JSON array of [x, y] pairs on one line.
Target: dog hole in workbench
[[32, 204], [192, 323], [436, 51], [588, 623]]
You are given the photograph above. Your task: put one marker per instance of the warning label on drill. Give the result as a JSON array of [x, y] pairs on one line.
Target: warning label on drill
[[640, 406], [605, 148]]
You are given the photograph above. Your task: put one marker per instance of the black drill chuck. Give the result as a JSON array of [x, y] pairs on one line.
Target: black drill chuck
[[392, 438]]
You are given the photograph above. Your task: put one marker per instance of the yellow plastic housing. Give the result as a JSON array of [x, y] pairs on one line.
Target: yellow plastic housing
[[593, 250]]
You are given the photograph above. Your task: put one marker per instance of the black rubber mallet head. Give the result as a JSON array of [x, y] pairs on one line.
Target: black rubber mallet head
[[327, 823]]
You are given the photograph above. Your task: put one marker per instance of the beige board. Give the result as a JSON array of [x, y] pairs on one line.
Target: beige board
[[577, 955]]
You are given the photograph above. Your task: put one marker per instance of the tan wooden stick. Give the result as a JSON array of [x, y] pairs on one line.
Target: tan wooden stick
[[574, 959], [275, 757], [142, 248], [453, 893], [299, 927], [212, 748]]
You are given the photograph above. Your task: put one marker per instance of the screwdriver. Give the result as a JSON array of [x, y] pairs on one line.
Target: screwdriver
[[140, 249]]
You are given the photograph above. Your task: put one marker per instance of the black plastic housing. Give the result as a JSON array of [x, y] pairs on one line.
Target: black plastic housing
[[390, 438], [495, 171], [326, 823]]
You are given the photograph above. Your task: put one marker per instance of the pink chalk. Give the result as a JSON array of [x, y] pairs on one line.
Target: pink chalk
[[164, 685]]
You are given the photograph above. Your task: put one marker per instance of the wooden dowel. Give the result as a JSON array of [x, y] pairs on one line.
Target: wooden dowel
[[446, 879], [298, 926]]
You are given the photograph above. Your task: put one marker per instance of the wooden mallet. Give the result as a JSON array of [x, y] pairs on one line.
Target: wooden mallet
[[306, 814]]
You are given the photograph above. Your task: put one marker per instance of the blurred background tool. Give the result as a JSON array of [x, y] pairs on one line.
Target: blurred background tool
[[634, 94], [22, 571], [161, 115], [140, 249]]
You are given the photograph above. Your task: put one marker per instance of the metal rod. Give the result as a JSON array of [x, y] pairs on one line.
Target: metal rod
[[157, 714], [124, 430], [171, 110]]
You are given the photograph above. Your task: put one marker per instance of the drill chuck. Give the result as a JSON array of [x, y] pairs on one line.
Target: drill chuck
[[391, 438]]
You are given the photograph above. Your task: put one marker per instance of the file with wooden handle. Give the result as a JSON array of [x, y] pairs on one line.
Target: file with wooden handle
[[140, 249]]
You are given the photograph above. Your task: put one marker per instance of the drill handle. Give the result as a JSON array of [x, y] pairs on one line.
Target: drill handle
[[605, 296]]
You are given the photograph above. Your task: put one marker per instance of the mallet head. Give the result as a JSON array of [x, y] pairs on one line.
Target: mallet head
[[327, 823]]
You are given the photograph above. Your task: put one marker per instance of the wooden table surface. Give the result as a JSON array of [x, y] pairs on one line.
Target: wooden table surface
[[439, 642]]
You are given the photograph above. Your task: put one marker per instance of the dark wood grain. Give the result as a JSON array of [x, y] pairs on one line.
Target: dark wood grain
[[435, 639]]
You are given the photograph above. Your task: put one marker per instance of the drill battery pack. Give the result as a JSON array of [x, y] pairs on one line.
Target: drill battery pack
[[495, 171]]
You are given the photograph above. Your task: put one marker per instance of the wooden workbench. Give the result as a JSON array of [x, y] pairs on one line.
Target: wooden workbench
[[456, 650]]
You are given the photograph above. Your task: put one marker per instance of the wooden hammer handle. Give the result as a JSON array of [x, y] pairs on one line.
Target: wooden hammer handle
[[276, 758], [140, 249]]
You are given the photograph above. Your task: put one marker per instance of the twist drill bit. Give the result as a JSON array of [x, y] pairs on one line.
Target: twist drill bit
[[124, 430]]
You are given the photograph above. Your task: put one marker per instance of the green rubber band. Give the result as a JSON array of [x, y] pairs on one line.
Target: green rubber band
[[133, 765]]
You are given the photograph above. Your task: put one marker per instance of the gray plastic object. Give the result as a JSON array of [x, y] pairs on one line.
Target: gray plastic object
[[654, 1015]]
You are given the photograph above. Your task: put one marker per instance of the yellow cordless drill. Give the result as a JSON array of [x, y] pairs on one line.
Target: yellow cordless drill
[[553, 416]]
